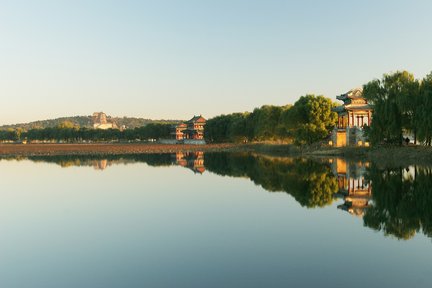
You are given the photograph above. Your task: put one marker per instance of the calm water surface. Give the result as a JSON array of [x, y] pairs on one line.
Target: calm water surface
[[214, 220]]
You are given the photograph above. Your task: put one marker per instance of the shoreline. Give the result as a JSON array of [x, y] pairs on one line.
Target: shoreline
[[105, 149], [386, 156], [393, 155]]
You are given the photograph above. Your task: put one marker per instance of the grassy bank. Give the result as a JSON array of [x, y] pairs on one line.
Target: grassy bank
[[105, 149], [387, 155], [390, 156]]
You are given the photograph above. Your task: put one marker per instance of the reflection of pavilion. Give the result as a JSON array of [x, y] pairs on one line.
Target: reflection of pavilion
[[101, 164], [353, 188], [191, 160]]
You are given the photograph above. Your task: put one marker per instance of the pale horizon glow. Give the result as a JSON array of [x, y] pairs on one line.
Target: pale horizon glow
[[175, 59]]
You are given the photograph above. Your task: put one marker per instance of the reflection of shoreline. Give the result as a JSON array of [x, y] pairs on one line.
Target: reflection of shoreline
[[190, 160], [397, 201]]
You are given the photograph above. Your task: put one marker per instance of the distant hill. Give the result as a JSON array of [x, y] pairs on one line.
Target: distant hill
[[86, 122]]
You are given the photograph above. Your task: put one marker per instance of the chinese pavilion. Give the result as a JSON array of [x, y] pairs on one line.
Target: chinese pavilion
[[353, 115], [178, 131], [192, 129]]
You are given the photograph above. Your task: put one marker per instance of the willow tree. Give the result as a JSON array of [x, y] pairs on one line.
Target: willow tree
[[395, 99], [424, 119]]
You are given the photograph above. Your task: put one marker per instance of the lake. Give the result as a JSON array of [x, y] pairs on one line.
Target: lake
[[213, 220]]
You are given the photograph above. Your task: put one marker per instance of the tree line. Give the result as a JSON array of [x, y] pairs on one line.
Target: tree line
[[68, 132], [86, 122], [402, 105], [309, 120]]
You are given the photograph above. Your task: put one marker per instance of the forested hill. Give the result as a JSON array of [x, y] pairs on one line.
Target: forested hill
[[86, 122]]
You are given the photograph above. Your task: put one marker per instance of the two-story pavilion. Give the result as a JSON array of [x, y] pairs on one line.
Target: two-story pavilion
[[195, 128], [353, 115], [192, 129], [178, 131]]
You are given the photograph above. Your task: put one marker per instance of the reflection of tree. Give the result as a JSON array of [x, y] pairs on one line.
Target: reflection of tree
[[402, 205], [102, 161], [192, 160], [310, 183]]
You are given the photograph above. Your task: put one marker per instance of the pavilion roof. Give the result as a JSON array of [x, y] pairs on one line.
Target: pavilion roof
[[198, 119], [344, 108], [352, 94]]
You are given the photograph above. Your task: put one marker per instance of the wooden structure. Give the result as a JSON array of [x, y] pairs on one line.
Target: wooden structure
[[195, 128], [192, 129], [178, 131], [353, 115]]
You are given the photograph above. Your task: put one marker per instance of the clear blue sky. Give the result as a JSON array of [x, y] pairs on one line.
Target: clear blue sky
[[172, 59]]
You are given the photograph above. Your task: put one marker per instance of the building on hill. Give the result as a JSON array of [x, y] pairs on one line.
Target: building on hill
[[353, 115], [190, 132], [101, 121]]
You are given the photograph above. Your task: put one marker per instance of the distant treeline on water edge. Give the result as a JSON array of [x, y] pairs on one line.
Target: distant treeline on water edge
[[401, 104]]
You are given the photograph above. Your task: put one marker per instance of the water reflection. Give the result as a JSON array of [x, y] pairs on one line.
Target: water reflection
[[402, 201], [191, 160], [311, 183], [396, 201], [353, 187]]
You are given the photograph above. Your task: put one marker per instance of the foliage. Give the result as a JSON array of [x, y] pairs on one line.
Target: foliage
[[396, 101], [309, 120], [423, 122], [401, 205], [310, 183], [260, 125], [266, 121], [86, 122], [9, 135], [70, 133], [312, 119]]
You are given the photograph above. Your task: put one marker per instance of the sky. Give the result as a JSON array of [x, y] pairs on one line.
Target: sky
[[171, 59]]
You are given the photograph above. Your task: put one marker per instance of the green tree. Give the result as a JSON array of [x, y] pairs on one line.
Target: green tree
[[424, 115], [401, 205], [67, 125], [396, 100], [266, 122], [311, 119]]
